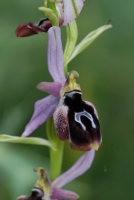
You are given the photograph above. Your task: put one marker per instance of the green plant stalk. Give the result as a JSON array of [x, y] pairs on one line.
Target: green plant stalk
[[72, 35], [56, 156], [56, 161]]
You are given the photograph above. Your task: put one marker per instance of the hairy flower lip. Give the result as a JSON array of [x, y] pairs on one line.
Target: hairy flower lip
[[30, 28], [77, 122]]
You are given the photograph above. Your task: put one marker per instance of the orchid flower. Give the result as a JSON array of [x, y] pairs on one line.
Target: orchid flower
[[46, 190], [75, 120], [63, 12]]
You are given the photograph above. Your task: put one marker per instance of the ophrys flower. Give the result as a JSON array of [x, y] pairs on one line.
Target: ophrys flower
[[75, 120]]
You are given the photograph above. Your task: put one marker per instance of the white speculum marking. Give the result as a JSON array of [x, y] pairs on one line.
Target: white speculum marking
[[86, 114]]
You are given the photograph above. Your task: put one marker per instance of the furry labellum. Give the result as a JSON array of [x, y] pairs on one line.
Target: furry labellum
[[77, 121]]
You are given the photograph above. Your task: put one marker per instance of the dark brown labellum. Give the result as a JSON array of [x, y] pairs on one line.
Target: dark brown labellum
[[77, 121], [30, 28]]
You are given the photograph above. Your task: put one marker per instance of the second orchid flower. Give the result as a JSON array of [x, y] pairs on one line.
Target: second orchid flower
[[65, 12]]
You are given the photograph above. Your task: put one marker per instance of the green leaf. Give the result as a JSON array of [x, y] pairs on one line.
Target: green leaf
[[26, 140], [88, 40]]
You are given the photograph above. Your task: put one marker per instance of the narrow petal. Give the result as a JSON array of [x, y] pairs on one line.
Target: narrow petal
[[63, 194], [79, 168], [43, 110], [52, 88], [72, 9], [55, 55]]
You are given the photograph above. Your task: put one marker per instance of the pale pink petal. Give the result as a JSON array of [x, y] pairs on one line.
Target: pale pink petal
[[55, 55], [52, 88], [43, 110], [72, 9], [63, 194], [79, 168]]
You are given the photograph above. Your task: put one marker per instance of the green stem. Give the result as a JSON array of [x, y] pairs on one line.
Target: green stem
[[56, 156], [72, 35], [56, 161], [52, 6]]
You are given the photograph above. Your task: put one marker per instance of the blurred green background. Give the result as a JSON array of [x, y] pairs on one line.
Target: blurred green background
[[106, 77]]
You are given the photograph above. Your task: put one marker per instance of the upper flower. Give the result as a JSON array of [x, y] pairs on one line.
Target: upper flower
[[61, 11], [46, 190], [75, 120]]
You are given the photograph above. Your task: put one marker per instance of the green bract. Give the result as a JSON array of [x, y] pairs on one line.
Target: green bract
[[88, 40]]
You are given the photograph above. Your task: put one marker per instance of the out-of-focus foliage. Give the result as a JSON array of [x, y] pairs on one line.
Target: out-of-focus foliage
[[106, 77]]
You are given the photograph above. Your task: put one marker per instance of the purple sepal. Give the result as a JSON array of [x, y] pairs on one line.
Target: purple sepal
[[43, 110], [63, 194], [79, 168], [45, 107], [71, 10], [55, 55]]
